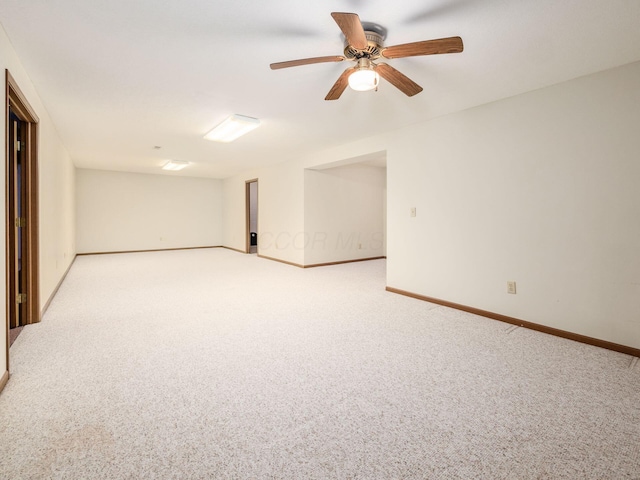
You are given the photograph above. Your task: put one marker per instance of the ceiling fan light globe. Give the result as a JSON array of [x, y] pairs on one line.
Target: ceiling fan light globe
[[364, 80]]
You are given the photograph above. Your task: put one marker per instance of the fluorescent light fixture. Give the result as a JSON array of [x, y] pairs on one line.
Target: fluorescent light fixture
[[364, 78], [232, 128], [175, 165]]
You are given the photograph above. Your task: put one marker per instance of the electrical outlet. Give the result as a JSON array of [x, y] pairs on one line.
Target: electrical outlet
[[511, 287], [413, 211], [359, 246]]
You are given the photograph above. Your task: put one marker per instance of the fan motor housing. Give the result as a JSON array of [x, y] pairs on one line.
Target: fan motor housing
[[375, 35]]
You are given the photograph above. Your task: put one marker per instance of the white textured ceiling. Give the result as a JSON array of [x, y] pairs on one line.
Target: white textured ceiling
[[120, 77]]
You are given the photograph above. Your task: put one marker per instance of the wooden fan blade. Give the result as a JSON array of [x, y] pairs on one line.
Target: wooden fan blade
[[340, 85], [350, 25], [397, 79], [427, 47], [306, 61]]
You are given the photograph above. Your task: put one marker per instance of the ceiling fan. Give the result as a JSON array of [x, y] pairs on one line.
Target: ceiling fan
[[364, 45]]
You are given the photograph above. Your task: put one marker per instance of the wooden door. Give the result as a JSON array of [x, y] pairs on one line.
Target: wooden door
[[23, 306], [16, 186]]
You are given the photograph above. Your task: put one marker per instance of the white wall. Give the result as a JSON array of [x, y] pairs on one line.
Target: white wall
[[57, 210], [119, 211], [280, 212], [56, 192], [344, 213], [541, 188]]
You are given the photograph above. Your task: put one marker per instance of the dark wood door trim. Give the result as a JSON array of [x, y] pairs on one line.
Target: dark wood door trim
[[17, 102], [247, 203]]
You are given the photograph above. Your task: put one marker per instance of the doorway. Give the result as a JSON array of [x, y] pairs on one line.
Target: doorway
[[251, 194], [21, 212]]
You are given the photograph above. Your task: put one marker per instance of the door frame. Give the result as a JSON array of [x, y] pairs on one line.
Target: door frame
[[16, 100], [247, 203]]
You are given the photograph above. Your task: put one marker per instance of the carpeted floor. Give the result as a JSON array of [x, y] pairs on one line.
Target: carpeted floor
[[212, 364]]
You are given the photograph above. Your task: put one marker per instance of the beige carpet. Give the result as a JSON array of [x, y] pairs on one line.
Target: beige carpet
[[213, 364]]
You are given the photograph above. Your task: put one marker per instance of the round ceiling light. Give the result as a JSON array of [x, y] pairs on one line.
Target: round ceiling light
[[364, 78]]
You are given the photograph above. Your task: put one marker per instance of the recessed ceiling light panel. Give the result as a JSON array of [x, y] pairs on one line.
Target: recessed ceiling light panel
[[233, 127], [175, 165]]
